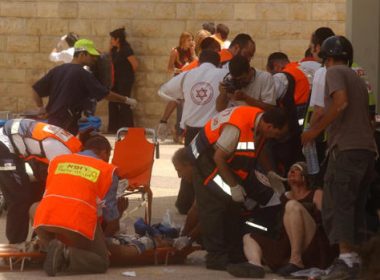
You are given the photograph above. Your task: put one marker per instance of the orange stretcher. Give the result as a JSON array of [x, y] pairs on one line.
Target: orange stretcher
[[134, 156], [15, 257]]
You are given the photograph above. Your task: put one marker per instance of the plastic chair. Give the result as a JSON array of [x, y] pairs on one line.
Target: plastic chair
[[134, 157]]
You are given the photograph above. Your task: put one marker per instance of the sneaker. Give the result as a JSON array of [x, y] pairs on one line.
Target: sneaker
[[246, 270], [288, 269], [341, 271], [55, 259]]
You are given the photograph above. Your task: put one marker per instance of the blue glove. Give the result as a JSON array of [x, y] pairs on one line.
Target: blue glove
[[88, 123]]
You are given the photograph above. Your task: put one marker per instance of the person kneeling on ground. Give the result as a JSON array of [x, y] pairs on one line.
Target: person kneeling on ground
[[66, 220], [298, 240]]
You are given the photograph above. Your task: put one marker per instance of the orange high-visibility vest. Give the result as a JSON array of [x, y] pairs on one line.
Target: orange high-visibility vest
[[225, 56], [301, 83], [75, 184], [244, 118], [41, 131]]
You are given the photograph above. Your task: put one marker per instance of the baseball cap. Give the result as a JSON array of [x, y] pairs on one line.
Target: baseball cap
[[85, 45]]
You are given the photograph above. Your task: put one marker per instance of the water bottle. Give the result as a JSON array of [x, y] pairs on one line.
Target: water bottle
[[167, 219], [310, 152]]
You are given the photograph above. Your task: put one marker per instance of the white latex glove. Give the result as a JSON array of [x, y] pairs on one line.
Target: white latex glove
[[62, 44], [131, 101], [276, 182], [181, 242], [238, 193], [162, 131]]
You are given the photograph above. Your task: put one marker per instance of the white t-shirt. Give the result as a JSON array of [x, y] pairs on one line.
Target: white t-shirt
[[261, 87], [280, 84], [65, 56], [318, 89], [199, 88]]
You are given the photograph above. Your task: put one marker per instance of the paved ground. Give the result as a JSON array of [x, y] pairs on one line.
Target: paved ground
[[165, 187]]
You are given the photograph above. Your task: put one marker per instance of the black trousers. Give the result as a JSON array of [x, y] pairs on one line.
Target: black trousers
[[185, 197], [19, 194], [221, 224], [119, 115]]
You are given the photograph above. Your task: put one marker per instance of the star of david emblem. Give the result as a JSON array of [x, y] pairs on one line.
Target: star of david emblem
[[201, 93]]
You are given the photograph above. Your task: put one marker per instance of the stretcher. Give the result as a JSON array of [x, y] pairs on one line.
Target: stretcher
[[15, 256], [134, 156]]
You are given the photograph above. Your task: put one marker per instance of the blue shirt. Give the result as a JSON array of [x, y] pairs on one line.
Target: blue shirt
[[110, 211]]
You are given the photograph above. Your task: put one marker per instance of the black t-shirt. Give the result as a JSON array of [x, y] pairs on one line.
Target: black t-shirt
[[124, 76], [69, 87]]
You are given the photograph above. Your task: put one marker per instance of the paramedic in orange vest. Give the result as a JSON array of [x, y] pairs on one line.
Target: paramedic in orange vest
[[34, 142], [224, 152], [292, 90], [80, 187], [292, 78]]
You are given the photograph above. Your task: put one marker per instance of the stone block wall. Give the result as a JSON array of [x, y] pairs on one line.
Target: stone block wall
[[29, 30]]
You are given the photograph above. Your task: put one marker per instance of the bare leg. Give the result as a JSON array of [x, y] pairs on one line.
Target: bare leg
[[300, 227], [252, 250]]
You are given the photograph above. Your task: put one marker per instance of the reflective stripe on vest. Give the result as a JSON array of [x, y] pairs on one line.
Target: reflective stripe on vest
[[194, 149], [243, 118], [15, 126], [246, 146], [221, 184]]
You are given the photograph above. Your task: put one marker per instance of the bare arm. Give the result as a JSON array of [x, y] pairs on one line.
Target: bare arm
[[170, 107], [339, 103], [192, 227], [172, 58], [134, 62], [114, 97], [254, 102], [317, 115], [317, 199], [222, 99]]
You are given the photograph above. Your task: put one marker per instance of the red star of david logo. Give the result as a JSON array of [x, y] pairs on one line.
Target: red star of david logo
[[201, 93]]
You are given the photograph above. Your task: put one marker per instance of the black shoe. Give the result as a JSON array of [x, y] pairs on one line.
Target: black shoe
[[341, 271], [55, 259], [216, 261], [246, 270], [288, 269]]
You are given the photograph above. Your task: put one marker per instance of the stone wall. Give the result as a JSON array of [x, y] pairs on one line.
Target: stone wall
[[30, 29]]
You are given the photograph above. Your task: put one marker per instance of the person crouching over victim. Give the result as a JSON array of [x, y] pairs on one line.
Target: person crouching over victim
[[66, 220]]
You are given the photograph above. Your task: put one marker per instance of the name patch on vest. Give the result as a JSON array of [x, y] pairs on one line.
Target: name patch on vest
[[59, 132], [79, 170]]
